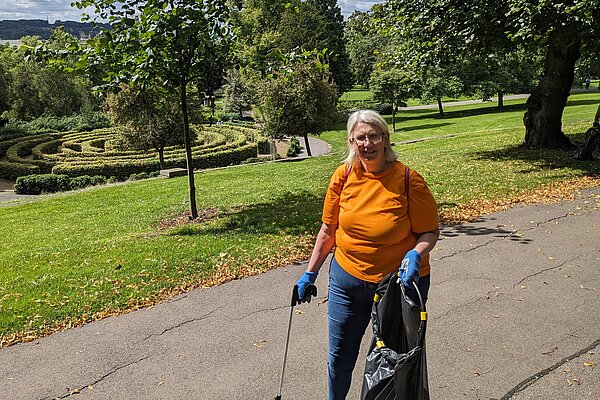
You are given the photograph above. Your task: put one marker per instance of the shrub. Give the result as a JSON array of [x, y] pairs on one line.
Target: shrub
[[11, 171], [294, 148], [382, 108], [51, 183], [36, 184], [264, 147], [80, 182], [81, 122]]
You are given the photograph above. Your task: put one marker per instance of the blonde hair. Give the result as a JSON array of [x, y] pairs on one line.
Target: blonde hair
[[372, 118]]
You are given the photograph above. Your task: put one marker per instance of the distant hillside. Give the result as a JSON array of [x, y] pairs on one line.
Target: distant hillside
[[13, 30]]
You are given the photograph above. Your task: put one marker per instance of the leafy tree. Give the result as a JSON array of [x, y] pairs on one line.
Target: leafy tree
[[440, 82], [149, 118], [393, 86], [477, 28], [299, 102], [339, 64], [174, 43], [362, 43], [236, 96]]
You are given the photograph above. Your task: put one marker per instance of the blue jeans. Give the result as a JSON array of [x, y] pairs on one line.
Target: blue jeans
[[349, 312]]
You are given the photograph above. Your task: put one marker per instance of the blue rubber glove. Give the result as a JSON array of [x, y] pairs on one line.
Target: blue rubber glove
[[409, 269], [308, 278]]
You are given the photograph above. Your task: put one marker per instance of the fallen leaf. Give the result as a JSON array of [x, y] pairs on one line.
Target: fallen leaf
[[590, 363], [160, 383], [259, 344], [476, 373], [573, 381], [299, 312]]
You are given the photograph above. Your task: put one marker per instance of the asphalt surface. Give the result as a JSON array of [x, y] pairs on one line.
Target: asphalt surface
[[513, 313]]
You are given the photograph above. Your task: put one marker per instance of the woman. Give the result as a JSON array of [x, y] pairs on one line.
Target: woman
[[375, 228]]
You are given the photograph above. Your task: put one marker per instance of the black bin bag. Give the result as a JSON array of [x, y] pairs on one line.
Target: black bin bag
[[396, 367]]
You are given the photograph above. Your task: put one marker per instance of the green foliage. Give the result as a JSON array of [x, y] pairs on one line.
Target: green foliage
[[42, 183], [294, 148], [150, 118], [11, 171], [236, 94], [298, 103], [263, 145], [78, 123], [51, 183]]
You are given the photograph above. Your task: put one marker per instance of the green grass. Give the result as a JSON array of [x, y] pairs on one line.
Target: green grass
[[74, 257]]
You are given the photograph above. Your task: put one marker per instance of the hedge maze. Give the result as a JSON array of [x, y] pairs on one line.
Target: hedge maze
[[95, 153]]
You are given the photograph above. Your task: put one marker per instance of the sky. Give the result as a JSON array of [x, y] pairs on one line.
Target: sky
[[62, 10]]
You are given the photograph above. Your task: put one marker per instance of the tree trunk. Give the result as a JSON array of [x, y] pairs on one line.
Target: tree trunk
[[161, 157], [440, 107], [545, 105], [500, 99], [188, 150], [393, 119], [307, 145]]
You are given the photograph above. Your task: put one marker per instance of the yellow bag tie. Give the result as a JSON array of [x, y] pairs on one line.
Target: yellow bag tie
[[423, 315], [379, 344]]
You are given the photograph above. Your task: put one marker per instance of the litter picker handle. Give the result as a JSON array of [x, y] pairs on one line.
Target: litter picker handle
[[311, 290]]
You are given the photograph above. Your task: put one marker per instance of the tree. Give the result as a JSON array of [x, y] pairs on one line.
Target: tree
[[393, 86], [150, 120], [299, 102], [339, 64], [172, 43], [477, 28], [236, 96], [362, 42], [440, 82]]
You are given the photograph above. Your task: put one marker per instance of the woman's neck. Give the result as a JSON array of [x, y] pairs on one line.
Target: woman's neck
[[374, 167]]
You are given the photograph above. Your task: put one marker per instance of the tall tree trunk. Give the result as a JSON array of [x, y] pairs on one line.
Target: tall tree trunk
[[440, 107], [188, 149], [307, 145], [393, 119], [545, 105], [500, 99], [161, 157]]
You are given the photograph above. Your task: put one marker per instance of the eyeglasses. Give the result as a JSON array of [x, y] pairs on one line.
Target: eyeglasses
[[373, 137]]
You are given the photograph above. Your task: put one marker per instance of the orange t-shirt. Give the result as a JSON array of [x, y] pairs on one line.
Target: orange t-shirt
[[374, 229]]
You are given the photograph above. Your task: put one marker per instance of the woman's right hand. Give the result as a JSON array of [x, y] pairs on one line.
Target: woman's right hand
[[307, 279]]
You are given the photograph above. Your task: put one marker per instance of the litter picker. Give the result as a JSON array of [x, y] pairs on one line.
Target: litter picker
[[310, 291]]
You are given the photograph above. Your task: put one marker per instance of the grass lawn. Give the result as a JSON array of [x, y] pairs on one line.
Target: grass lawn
[[85, 255]]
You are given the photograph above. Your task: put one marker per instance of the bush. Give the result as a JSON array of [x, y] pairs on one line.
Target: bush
[[36, 184], [81, 122], [11, 171], [294, 148], [264, 147], [80, 182], [382, 108], [51, 183]]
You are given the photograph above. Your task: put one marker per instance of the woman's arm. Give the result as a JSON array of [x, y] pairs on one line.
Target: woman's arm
[[426, 242], [323, 245]]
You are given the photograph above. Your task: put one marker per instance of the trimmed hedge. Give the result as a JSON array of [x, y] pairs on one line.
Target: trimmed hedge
[[51, 183], [85, 153], [11, 171], [123, 169]]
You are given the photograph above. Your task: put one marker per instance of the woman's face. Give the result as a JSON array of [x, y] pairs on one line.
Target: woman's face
[[369, 142]]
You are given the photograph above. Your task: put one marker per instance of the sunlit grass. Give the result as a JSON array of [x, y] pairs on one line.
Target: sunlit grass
[[75, 257]]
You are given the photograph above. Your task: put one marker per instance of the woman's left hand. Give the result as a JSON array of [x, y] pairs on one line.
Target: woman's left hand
[[409, 269]]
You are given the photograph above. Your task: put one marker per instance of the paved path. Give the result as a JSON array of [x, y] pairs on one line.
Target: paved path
[[513, 308]]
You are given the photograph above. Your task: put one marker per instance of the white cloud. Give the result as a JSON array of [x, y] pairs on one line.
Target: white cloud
[[349, 6], [39, 9], [61, 9]]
